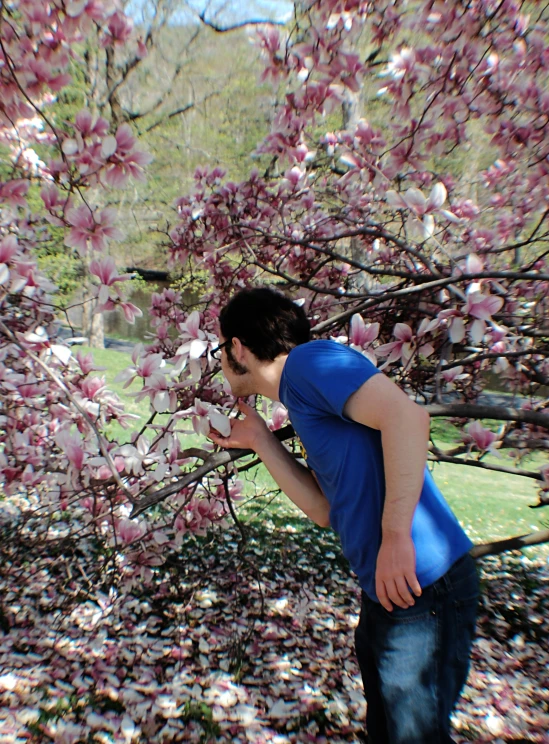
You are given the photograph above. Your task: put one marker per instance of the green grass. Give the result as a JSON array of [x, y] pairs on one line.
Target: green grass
[[490, 505]]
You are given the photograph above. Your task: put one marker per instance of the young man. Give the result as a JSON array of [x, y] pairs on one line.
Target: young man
[[366, 445]]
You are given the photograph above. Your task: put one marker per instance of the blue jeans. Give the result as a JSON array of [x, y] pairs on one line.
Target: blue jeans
[[414, 662]]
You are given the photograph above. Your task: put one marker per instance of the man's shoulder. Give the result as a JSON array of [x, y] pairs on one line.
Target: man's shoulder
[[318, 347], [318, 352]]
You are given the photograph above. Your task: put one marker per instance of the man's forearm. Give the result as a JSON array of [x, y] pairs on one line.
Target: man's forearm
[[404, 436], [296, 481]]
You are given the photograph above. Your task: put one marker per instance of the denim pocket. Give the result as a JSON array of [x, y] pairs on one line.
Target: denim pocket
[[420, 611]]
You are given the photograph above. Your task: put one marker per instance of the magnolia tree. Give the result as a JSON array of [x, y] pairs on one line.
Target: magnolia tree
[[417, 235]]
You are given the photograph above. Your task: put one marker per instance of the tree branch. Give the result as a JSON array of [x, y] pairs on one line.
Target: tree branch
[[176, 112], [510, 543], [480, 357], [212, 463], [242, 24], [437, 456], [499, 413]]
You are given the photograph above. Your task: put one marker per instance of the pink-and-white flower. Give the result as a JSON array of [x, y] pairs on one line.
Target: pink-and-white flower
[[279, 416], [402, 348], [362, 334], [72, 446], [451, 376], [195, 342], [91, 228], [407, 344], [483, 439], [481, 307], [130, 530], [124, 160], [422, 208]]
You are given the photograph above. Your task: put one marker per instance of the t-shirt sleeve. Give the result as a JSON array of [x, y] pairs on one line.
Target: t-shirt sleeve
[[328, 373]]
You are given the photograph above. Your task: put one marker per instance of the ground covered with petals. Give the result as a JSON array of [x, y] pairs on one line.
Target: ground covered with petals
[[238, 642]]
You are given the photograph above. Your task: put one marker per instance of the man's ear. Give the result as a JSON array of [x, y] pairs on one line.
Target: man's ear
[[237, 349]]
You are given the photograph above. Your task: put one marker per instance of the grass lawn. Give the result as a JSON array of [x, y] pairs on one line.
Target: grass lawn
[[490, 505]]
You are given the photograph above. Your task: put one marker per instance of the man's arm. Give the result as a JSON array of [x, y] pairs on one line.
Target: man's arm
[[404, 428], [296, 481]]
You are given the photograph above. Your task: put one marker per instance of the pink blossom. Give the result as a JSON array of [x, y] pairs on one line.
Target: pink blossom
[[474, 264], [125, 161], [71, 444], [415, 201], [279, 417], [86, 363], [483, 439], [146, 366], [200, 422], [107, 273], [362, 334], [88, 126], [120, 29], [456, 324], [200, 514], [160, 392], [51, 197], [453, 375], [131, 311], [450, 375], [400, 349], [482, 307], [196, 342], [8, 248], [13, 192], [129, 530], [401, 63], [91, 228], [91, 387]]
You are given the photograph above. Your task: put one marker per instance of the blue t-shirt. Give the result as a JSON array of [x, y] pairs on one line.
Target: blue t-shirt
[[347, 458]]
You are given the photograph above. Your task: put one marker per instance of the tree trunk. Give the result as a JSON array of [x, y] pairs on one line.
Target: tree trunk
[[97, 331], [93, 326]]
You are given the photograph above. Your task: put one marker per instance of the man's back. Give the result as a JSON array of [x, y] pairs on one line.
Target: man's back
[[347, 458]]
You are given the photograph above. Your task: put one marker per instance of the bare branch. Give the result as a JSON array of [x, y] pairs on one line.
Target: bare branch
[[498, 413], [480, 357], [242, 24], [178, 111], [510, 543], [438, 456]]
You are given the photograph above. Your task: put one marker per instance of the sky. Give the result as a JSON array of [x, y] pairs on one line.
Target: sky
[[245, 10], [224, 12]]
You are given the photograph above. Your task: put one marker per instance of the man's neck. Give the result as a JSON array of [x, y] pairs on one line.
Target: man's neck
[[267, 377]]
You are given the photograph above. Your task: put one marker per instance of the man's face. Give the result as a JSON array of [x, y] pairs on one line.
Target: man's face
[[237, 375]]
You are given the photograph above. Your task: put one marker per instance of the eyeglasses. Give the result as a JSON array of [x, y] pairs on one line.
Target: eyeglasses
[[216, 353]]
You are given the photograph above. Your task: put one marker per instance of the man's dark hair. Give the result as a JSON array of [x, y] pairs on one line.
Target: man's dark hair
[[265, 321]]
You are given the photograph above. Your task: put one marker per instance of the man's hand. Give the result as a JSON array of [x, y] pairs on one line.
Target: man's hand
[[396, 572], [246, 433]]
